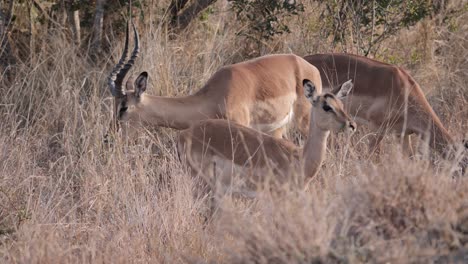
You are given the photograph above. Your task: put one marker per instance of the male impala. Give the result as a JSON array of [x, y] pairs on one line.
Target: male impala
[[264, 93], [385, 96], [220, 144]]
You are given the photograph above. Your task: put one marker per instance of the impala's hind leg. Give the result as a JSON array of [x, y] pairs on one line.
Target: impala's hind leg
[[406, 145], [206, 188]]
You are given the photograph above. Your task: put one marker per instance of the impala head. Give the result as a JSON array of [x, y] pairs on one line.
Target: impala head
[[327, 109], [128, 96]]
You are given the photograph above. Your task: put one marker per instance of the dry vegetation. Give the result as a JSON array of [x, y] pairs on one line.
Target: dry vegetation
[[67, 197]]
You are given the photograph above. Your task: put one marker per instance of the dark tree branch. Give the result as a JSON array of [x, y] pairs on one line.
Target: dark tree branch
[[73, 18], [174, 8], [182, 20], [45, 13], [6, 56], [96, 43]]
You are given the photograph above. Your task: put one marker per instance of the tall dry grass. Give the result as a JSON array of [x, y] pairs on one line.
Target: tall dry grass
[[67, 197]]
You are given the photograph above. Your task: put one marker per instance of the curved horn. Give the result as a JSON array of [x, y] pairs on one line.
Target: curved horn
[[117, 90], [131, 61], [117, 75]]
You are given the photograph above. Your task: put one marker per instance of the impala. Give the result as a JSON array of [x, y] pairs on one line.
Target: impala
[[219, 144], [385, 97], [264, 93]]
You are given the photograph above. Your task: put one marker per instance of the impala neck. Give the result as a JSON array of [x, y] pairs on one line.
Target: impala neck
[[314, 148], [177, 113]]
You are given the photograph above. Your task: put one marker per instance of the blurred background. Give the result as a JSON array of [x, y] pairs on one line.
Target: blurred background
[[67, 197]]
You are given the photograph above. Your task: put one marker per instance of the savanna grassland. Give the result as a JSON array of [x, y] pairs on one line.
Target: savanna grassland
[[65, 196]]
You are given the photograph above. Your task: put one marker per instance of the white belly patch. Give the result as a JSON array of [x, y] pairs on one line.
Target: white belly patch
[[270, 115], [275, 125]]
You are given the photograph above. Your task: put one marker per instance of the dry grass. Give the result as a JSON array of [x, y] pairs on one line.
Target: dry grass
[[66, 197]]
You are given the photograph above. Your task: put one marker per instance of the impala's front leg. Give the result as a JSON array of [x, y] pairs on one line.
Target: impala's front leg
[[406, 145]]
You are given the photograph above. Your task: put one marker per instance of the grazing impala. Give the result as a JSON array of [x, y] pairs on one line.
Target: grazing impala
[[264, 93], [219, 144], [385, 97]]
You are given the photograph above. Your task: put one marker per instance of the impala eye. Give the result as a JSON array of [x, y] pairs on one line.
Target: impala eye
[[327, 108]]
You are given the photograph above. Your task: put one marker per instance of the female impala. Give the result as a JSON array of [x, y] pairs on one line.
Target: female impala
[[264, 93], [224, 144], [385, 97]]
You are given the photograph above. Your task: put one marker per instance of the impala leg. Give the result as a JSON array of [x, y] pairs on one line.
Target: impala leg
[[374, 143], [423, 144], [381, 129], [206, 188], [200, 171], [407, 147]]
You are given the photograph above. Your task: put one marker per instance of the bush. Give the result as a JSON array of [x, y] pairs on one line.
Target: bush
[[368, 23], [264, 19]]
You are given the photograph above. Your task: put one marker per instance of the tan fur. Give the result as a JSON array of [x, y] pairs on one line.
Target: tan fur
[[262, 93], [207, 142], [385, 97]]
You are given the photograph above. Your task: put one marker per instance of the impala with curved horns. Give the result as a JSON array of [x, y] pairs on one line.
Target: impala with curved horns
[[264, 93], [385, 97]]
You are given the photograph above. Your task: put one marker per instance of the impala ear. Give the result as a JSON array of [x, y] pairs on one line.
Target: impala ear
[[140, 84], [345, 89], [309, 90]]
